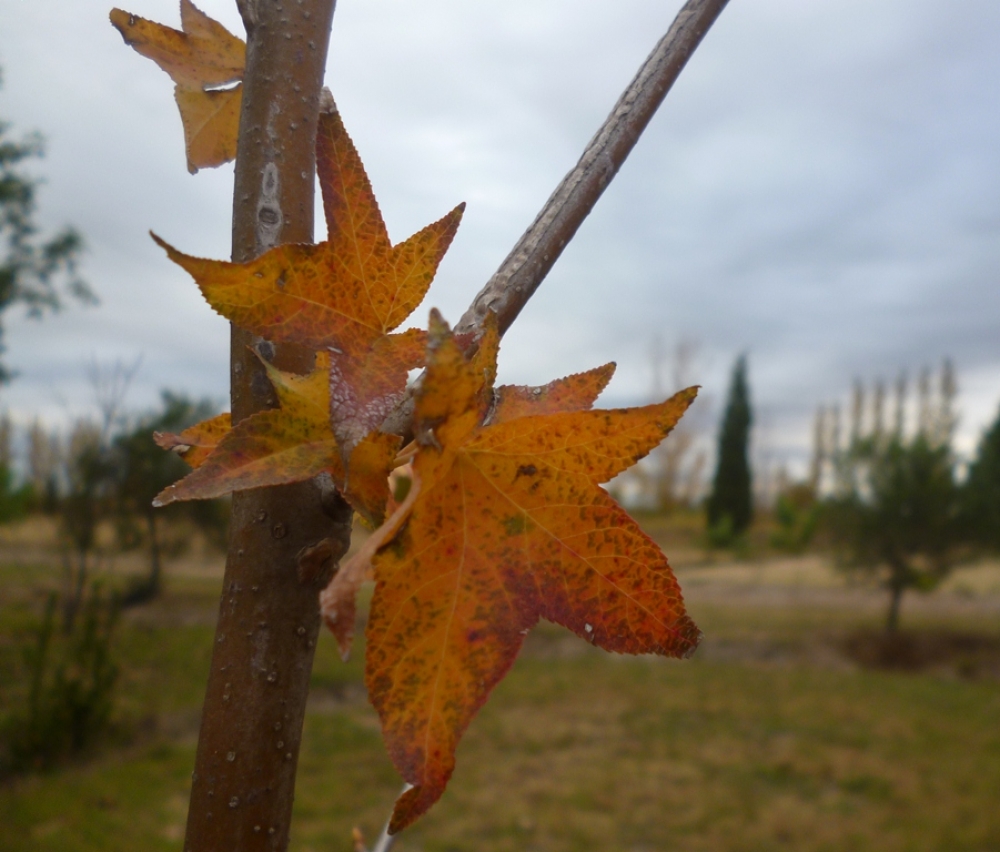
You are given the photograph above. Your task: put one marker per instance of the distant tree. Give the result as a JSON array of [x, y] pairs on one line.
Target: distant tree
[[675, 466], [981, 492], [44, 461], [142, 470], [87, 477], [730, 503], [14, 497], [31, 269], [87, 480], [797, 515], [897, 511]]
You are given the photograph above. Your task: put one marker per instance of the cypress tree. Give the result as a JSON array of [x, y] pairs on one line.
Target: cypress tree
[[730, 505]]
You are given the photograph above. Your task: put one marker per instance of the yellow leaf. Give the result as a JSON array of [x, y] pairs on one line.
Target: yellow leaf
[[201, 57], [293, 443], [211, 125]]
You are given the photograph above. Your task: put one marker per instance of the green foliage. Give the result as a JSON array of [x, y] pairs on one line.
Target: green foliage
[[721, 534], [898, 516], [730, 504], [72, 678], [981, 493], [15, 500], [896, 512], [141, 470], [797, 514], [31, 268]]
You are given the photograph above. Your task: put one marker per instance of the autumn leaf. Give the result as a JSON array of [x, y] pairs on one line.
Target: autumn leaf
[[200, 58], [574, 393], [211, 125], [288, 444], [510, 525], [343, 293], [365, 390], [196, 443]]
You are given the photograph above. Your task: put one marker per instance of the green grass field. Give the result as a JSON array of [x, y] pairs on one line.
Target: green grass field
[[772, 737]]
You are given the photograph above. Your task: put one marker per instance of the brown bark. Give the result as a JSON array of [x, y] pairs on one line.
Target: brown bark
[[244, 779]]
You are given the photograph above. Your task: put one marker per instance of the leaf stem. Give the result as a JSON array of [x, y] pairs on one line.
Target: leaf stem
[[405, 455], [385, 841]]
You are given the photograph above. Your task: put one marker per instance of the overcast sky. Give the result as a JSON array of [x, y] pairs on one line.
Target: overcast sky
[[821, 190]]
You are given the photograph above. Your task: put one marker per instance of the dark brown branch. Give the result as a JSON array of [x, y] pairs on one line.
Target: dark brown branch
[[508, 291], [244, 780]]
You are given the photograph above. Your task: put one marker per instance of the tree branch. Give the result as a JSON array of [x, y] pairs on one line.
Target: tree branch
[[508, 291], [524, 269]]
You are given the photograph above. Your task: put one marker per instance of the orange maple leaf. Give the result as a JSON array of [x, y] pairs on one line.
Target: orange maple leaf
[[343, 293], [574, 393], [291, 443], [202, 56], [509, 526]]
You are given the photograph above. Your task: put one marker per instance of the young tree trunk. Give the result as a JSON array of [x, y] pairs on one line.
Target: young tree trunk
[[243, 784], [896, 590], [155, 565], [76, 570]]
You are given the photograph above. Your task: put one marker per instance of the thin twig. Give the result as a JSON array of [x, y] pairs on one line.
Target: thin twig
[[508, 291]]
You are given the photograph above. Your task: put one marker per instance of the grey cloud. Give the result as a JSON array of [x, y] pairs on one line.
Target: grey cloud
[[819, 190]]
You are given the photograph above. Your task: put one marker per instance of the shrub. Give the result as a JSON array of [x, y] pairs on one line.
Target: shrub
[[72, 678]]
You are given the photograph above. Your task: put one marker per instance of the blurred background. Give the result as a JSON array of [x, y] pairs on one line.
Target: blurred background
[[808, 230]]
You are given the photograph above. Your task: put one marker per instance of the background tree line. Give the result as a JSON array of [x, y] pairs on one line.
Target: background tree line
[[98, 481], [886, 493]]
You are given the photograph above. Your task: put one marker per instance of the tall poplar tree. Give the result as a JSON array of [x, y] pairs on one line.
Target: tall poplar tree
[[730, 505]]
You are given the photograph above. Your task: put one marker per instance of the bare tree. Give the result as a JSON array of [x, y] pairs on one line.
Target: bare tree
[[672, 460], [88, 480], [44, 458]]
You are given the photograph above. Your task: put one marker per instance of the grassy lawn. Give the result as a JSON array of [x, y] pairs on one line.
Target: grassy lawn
[[770, 738]]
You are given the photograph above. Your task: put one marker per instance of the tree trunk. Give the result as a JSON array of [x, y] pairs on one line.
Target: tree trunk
[[243, 784], [76, 580], [896, 590], [155, 566]]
